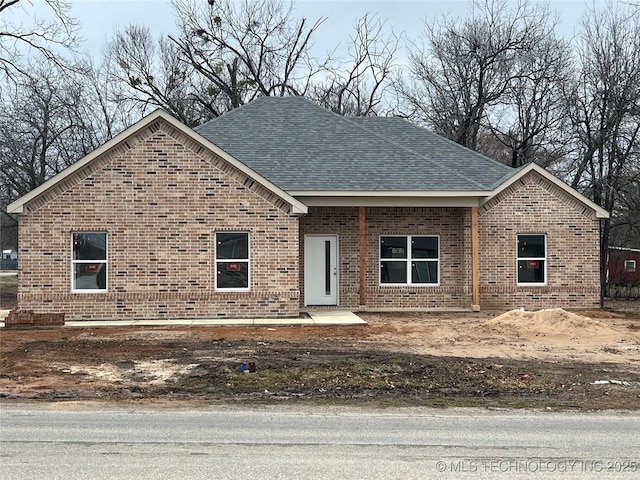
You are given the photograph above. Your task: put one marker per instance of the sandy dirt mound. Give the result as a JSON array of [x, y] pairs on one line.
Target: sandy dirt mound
[[551, 322], [549, 335]]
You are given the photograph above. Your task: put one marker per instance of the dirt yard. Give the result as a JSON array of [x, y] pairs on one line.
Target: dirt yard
[[553, 359]]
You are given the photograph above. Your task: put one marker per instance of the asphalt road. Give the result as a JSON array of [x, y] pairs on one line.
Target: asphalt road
[[92, 442]]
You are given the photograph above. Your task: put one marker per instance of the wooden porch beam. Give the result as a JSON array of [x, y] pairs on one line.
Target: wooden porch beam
[[363, 256], [475, 261]]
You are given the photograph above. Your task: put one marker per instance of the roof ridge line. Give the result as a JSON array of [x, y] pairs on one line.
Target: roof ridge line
[[448, 140], [430, 162], [236, 110]]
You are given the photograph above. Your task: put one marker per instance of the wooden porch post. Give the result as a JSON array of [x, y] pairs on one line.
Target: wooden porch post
[[475, 261], [363, 257]]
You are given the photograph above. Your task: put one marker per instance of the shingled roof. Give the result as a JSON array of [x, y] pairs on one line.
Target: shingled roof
[[300, 146], [309, 156]]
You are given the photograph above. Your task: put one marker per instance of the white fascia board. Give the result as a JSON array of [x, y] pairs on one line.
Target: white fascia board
[[391, 201], [389, 193], [598, 210], [297, 207], [625, 249]]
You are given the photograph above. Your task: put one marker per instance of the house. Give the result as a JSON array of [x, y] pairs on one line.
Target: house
[[623, 266], [9, 260], [281, 206], [9, 255]]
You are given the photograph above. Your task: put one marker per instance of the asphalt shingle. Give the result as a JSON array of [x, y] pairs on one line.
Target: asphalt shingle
[[300, 146]]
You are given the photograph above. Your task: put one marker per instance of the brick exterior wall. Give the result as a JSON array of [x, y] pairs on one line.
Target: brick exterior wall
[[535, 205], [451, 224], [160, 196], [531, 205]]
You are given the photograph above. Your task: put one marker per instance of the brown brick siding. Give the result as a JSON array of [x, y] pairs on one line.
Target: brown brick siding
[[532, 205], [160, 197], [27, 318], [448, 223], [535, 205]]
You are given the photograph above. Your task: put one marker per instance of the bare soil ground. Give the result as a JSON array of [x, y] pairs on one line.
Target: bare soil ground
[[553, 359]]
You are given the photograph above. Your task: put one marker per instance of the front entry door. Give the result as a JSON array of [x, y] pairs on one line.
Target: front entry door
[[320, 270]]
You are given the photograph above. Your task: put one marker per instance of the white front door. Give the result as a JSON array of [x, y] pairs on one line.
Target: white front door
[[321, 270]]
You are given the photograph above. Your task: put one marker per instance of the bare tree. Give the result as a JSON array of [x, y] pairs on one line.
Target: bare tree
[[53, 119], [625, 227], [225, 54], [30, 129], [153, 73], [230, 52], [43, 39], [34, 129], [107, 111], [460, 69], [246, 49], [604, 105], [531, 119], [357, 87]]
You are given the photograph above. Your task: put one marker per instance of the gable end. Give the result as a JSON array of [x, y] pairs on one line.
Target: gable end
[[228, 169], [535, 179], [91, 167], [157, 123]]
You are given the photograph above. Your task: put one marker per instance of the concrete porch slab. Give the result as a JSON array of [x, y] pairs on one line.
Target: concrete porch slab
[[335, 317], [315, 318]]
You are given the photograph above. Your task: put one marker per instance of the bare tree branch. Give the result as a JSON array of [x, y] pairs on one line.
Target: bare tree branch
[[358, 86], [605, 112], [44, 39], [461, 69], [247, 48]]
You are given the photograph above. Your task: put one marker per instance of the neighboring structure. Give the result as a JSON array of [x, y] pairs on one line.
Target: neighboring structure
[[9, 255], [9, 260], [281, 205], [623, 272]]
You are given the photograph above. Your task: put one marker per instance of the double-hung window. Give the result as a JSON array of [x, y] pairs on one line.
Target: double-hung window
[[232, 261], [409, 260], [630, 266], [89, 262], [532, 259]]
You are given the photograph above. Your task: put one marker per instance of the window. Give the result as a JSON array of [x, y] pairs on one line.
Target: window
[[630, 266], [532, 259], [409, 260], [232, 261], [89, 262]]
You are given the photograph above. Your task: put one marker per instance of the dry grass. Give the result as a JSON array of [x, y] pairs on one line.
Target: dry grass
[[8, 291]]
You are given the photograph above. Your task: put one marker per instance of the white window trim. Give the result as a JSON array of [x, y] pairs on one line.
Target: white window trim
[[407, 260], [532, 284], [77, 262], [216, 262], [633, 267]]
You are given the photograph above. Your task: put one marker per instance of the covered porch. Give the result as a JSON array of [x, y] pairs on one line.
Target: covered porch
[[371, 257]]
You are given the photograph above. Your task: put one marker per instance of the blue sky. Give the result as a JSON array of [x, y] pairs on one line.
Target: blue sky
[[100, 18]]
